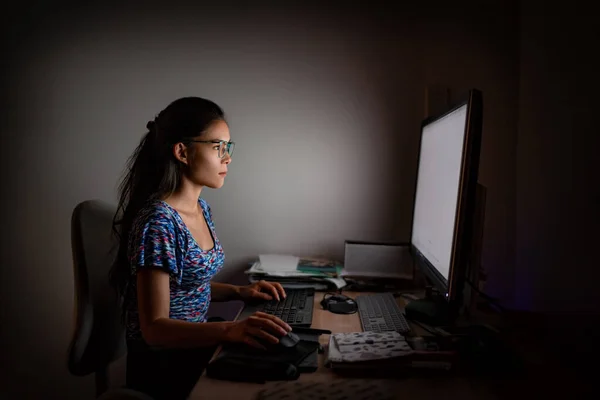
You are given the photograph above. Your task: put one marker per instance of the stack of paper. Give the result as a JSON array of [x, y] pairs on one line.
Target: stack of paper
[[284, 269]]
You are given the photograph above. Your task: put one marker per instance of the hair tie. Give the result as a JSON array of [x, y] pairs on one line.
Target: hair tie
[[153, 129], [151, 125]]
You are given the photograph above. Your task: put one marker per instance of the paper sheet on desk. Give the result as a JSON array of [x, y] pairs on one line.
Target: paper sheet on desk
[[286, 274], [278, 263], [257, 270]]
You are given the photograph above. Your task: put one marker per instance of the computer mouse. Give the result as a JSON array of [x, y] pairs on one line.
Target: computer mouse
[[339, 304], [288, 341]]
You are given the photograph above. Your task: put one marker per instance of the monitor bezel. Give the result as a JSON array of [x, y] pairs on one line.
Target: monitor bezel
[[452, 287]]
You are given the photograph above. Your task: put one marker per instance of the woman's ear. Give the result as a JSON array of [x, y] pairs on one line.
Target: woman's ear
[[180, 151]]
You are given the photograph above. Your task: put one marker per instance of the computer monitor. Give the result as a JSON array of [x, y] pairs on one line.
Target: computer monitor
[[444, 203]]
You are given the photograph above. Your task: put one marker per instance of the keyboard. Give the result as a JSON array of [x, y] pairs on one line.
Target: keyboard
[[379, 312], [296, 309]]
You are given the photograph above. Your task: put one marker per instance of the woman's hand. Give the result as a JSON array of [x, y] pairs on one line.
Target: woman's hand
[[262, 290], [256, 328]]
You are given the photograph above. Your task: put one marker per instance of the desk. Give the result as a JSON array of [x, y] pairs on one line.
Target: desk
[[418, 388]]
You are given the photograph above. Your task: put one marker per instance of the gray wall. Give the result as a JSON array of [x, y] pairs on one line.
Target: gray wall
[[324, 106], [557, 190], [557, 183], [481, 50]]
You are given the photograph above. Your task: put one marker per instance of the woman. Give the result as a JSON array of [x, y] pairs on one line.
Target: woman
[[169, 251]]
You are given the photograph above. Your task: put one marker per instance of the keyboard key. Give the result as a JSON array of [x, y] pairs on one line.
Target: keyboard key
[[296, 309]]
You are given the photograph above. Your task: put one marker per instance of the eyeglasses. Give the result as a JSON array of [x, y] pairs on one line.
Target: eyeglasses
[[223, 146]]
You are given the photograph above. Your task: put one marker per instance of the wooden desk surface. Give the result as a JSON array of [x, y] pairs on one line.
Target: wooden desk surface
[[418, 388]]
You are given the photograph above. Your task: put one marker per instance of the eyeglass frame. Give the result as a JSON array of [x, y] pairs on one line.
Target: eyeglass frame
[[230, 145]]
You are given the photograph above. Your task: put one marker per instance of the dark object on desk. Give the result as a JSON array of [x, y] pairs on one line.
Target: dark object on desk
[[258, 371], [289, 340], [380, 313], [285, 342], [311, 362], [296, 309], [247, 364], [433, 310], [310, 333], [339, 304]]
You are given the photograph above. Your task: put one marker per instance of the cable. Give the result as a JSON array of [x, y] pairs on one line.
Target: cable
[[422, 325], [490, 299]]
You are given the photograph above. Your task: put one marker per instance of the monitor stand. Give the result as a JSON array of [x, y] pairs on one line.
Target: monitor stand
[[432, 310]]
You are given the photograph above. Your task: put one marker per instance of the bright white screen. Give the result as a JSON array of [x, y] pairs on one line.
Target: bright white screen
[[437, 188]]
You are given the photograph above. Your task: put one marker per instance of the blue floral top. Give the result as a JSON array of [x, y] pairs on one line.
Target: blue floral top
[[160, 239]]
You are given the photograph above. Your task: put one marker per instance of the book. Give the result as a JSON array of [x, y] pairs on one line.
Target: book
[[320, 281], [319, 265]]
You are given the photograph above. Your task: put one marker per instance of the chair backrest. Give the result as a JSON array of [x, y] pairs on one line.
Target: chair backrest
[[99, 335]]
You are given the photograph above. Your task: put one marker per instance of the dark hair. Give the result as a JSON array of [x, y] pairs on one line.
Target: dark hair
[[153, 172]]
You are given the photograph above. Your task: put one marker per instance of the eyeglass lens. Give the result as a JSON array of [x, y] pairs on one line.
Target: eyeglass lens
[[226, 147]]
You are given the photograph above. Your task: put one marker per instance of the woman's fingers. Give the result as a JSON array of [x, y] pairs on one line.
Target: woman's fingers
[[262, 335], [270, 289], [268, 324], [280, 289], [274, 319]]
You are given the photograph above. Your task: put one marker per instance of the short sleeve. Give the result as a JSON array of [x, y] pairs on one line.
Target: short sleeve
[[156, 245], [206, 207], [204, 204]]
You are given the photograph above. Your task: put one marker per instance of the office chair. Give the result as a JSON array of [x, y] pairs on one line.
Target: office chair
[[99, 335]]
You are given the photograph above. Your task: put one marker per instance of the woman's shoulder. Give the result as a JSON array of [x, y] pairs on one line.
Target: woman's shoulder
[[157, 213]]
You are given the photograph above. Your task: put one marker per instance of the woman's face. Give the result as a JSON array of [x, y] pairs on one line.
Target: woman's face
[[205, 167]]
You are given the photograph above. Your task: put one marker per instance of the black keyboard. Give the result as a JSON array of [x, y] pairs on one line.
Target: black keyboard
[[379, 312], [296, 309]]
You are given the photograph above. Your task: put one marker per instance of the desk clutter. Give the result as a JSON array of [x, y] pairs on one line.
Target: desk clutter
[[354, 351], [296, 272], [384, 351], [322, 275], [242, 363]]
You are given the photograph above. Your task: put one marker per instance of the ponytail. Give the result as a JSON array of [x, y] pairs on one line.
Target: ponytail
[[152, 173]]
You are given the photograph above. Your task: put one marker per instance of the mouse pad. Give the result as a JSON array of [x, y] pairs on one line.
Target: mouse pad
[[244, 363], [292, 355]]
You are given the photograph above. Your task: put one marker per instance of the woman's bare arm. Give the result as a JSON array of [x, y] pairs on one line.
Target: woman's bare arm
[[156, 326], [224, 291]]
